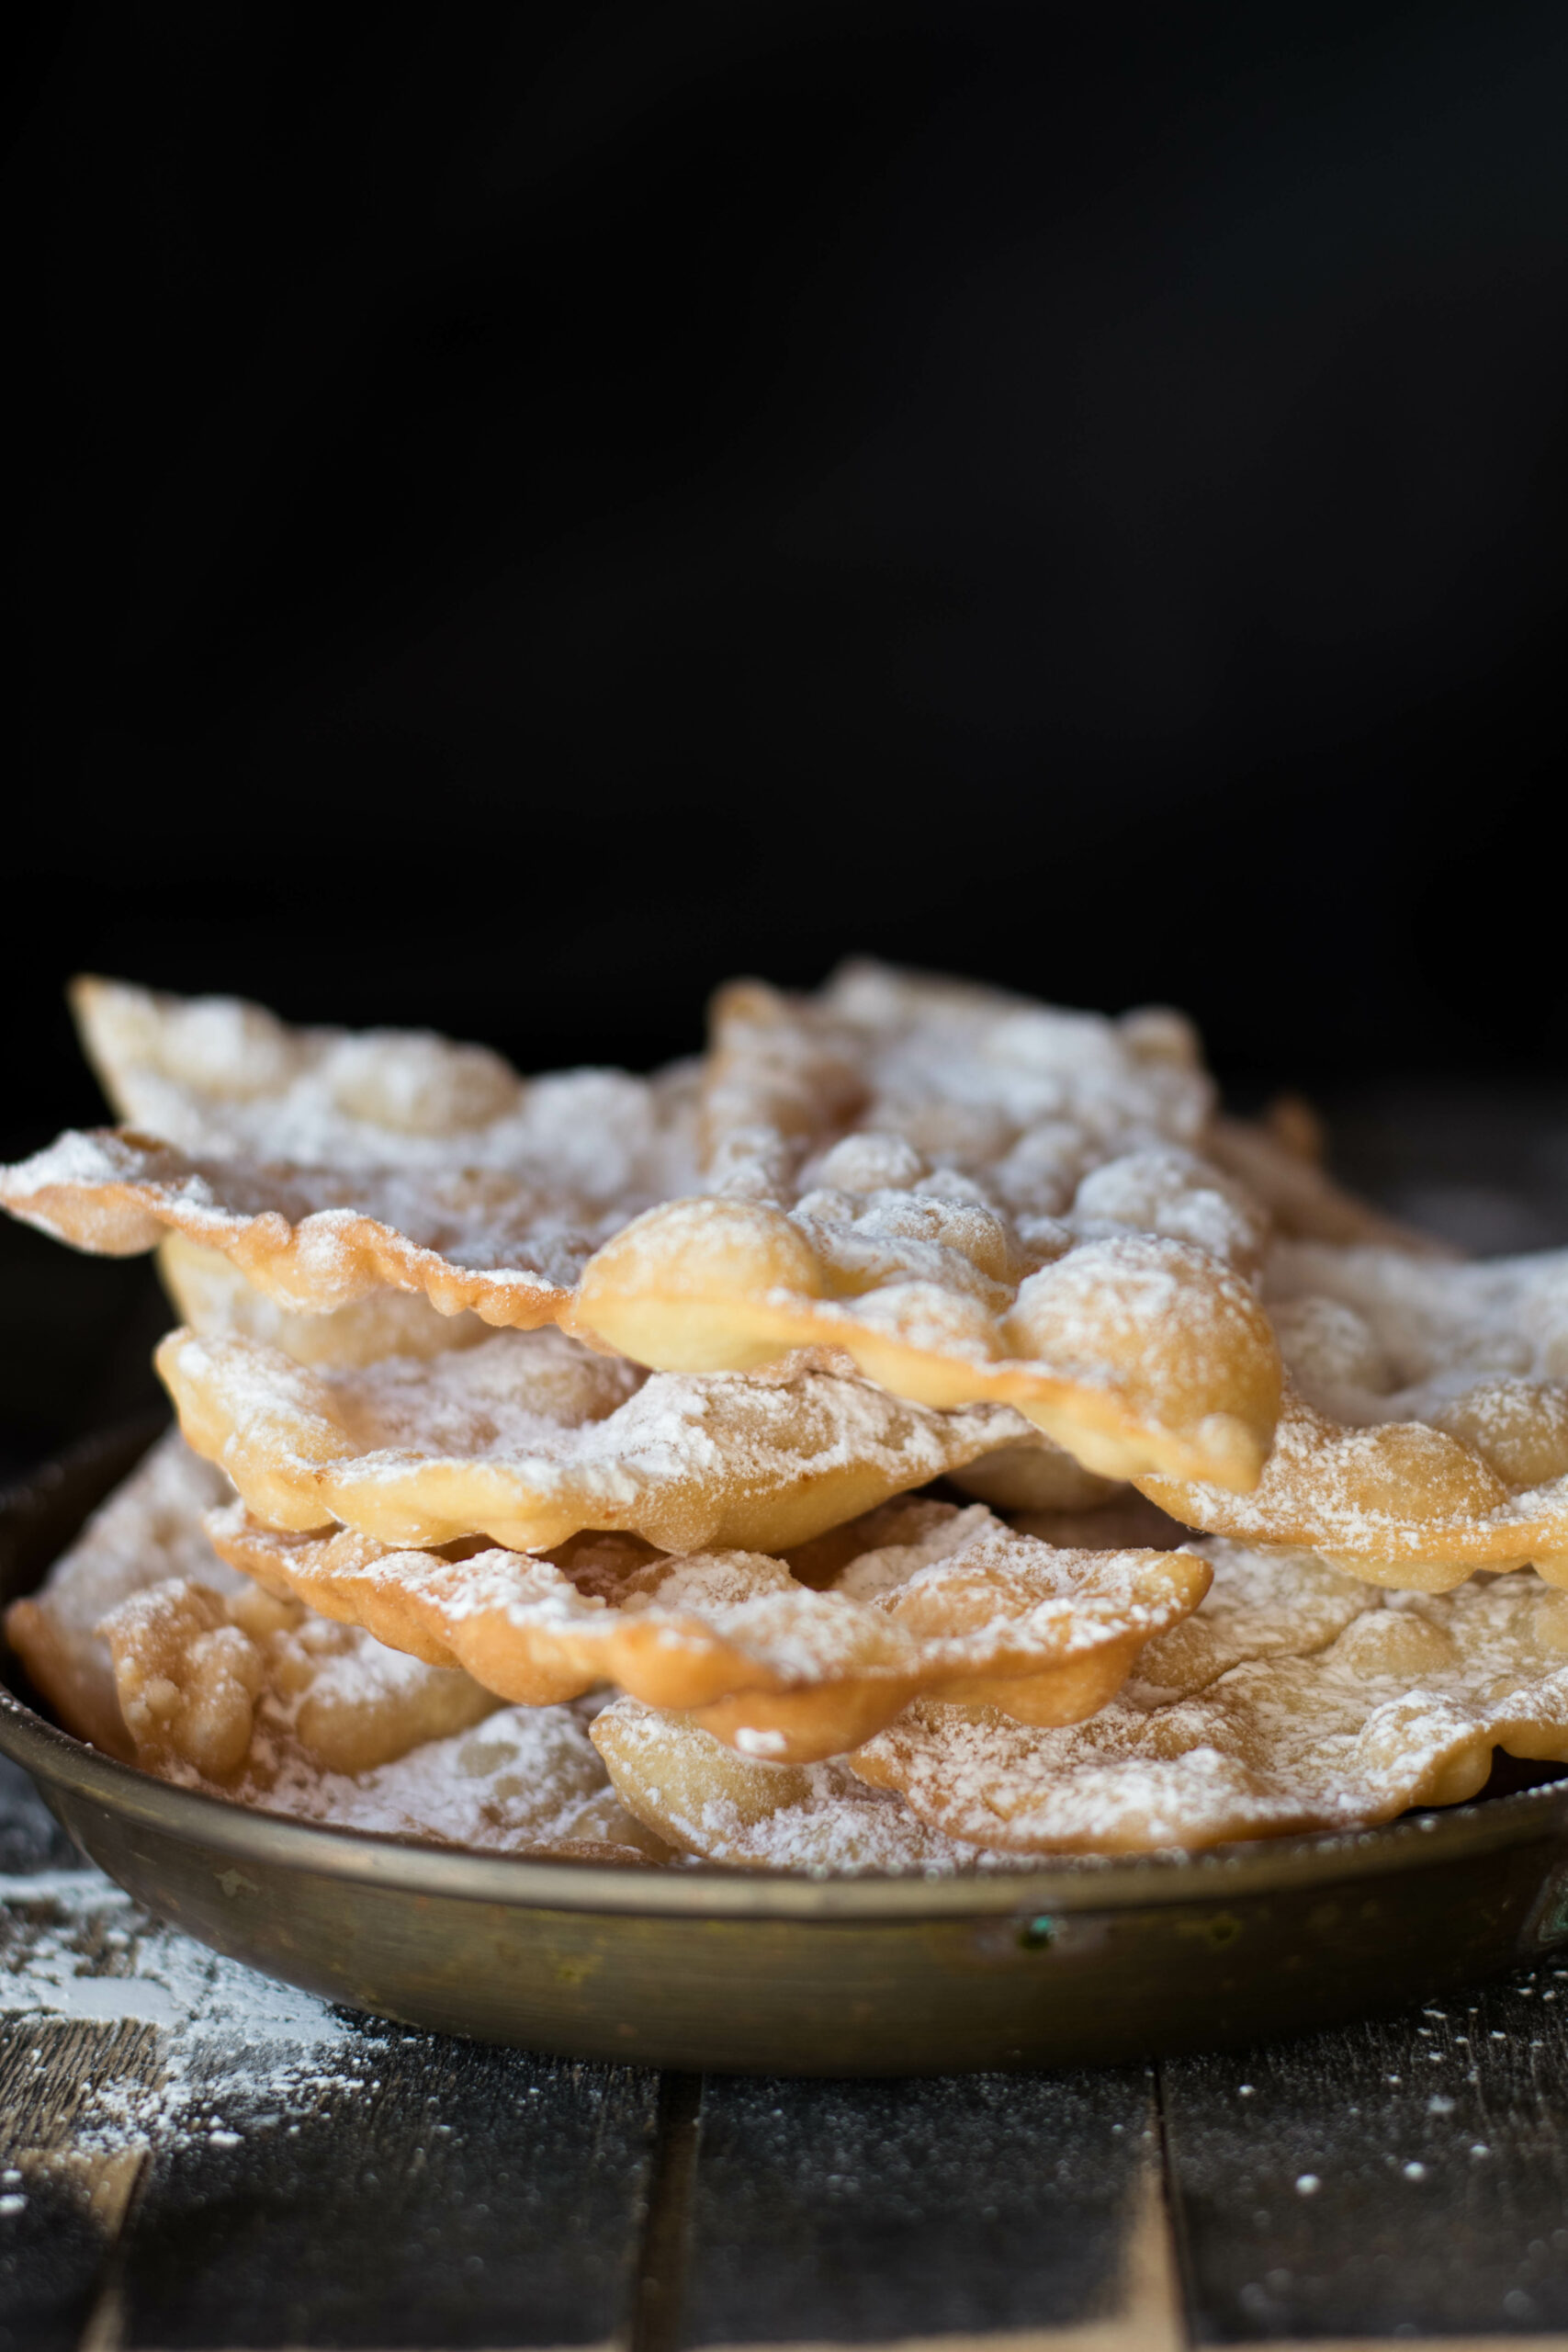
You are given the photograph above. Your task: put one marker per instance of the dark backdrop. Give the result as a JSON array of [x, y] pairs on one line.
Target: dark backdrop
[[520, 510]]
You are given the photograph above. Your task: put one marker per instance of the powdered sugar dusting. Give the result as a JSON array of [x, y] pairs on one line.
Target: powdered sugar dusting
[[217, 1076], [526, 1780], [913, 1596], [149, 1528], [936, 1145], [888, 1078], [1402, 1704], [816, 1819], [530, 1436], [1424, 1430], [225, 2039]]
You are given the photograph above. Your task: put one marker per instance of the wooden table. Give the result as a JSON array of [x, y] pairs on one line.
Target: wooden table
[[191, 2160]]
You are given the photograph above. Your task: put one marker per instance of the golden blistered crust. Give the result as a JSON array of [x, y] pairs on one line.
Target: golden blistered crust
[[530, 1438], [922, 1596], [703, 1798], [976, 1197], [227, 1684], [1402, 1704], [147, 1644], [148, 1529], [1134, 1354], [1425, 1428]]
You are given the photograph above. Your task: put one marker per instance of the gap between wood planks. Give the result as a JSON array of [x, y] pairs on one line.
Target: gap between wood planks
[[662, 2255], [1146, 2305], [1148, 2300], [1146, 2311]]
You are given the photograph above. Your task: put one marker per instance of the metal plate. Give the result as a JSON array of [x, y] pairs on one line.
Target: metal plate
[[1076, 1965]]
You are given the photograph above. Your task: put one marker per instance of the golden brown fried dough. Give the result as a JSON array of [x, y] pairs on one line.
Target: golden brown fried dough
[[146, 1644], [148, 1529], [701, 1798], [978, 1198], [525, 1782], [1403, 1707], [508, 1244], [918, 1596], [1425, 1428], [224, 1683], [1132, 1353], [211, 1294], [330, 1165], [531, 1437], [885, 1077]]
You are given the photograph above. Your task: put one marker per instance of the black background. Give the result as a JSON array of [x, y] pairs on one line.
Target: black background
[[519, 512]]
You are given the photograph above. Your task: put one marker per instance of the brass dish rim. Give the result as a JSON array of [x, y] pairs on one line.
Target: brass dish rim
[[1080, 1884]]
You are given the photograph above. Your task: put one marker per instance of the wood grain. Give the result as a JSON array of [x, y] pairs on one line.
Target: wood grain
[[455, 2196], [63, 2195], [992, 2206], [1408, 2176], [165, 2188]]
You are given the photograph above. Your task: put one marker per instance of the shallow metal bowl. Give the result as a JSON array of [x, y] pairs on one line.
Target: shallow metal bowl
[[1079, 1963]]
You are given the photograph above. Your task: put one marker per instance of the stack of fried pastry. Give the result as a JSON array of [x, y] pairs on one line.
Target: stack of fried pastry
[[920, 1434]]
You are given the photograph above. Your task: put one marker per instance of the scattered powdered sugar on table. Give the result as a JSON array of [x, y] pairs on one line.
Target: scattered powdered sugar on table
[[74, 1946]]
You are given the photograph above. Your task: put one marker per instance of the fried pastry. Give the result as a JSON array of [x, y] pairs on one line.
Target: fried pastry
[[149, 1646], [214, 1075], [526, 1780], [525, 1783], [211, 1294], [508, 1244], [146, 1644], [818, 1820], [1260, 1605], [1136, 1352], [217, 1680], [330, 1165], [1133, 1353], [1026, 1098], [974, 1197], [789, 1659], [1425, 1428], [531, 1437], [978, 1198], [1403, 1705], [149, 1528], [533, 1390], [886, 1075]]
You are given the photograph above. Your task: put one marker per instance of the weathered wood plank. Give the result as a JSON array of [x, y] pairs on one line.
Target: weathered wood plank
[[310, 2179], [64, 2185], [993, 2206], [431, 2194], [1407, 2177], [78, 2057]]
